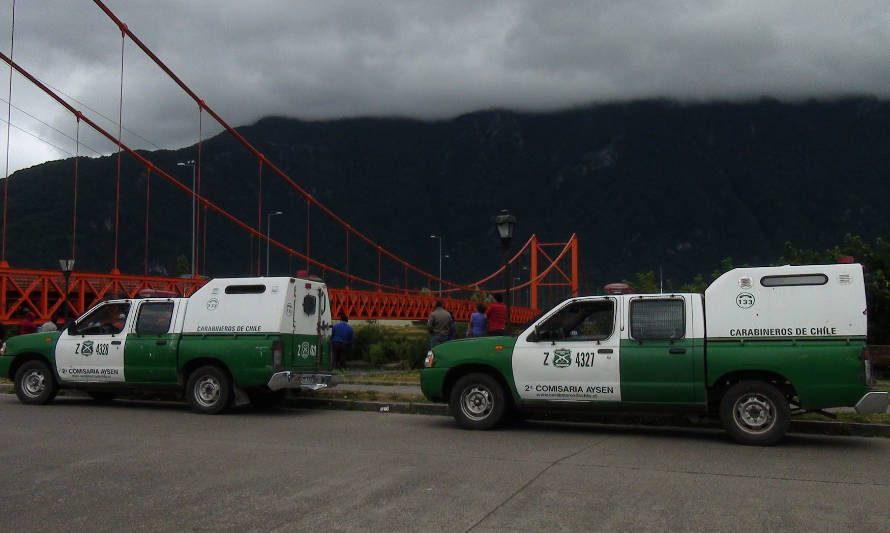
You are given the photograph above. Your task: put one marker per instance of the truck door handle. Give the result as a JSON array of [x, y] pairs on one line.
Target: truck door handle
[[605, 350], [677, 350], [115, 342], [160, 343]]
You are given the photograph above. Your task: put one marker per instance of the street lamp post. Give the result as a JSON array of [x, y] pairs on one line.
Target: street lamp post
[[67, 267], [439, 238], [269, 235], [191, 163], [505, 223]]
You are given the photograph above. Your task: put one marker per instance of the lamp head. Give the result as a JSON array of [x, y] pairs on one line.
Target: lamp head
[[505, 223]]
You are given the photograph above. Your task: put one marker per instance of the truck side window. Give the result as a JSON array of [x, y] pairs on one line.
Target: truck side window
[[104, 320], [580, 321], [794, 280], [245, 289], [154, 318], [662, 319]]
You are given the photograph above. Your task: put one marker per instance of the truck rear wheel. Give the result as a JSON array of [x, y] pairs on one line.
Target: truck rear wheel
[[755, 413], [209, 390], [478, 401], [34, 383]]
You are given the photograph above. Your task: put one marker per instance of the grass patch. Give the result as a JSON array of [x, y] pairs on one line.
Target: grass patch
[[407, 377], [365, 396], [852, 418]]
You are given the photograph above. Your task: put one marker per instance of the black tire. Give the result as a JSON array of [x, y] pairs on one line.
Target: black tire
[[478, 401], [34, 383], [264, 398], [755, 413], [102, 396], [208, 390]]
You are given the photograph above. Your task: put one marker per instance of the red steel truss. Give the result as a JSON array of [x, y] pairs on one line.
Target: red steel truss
[[42, 292]]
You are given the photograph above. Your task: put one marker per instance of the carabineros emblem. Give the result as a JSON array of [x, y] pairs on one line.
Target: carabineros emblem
[[86, 348], [562, 357]]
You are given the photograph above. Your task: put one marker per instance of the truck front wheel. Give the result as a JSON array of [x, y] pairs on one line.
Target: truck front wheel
[[478, 401], [209, 390], [34, 383], [755, 412]]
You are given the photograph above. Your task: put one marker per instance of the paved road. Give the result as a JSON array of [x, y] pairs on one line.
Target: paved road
[[137, 466]]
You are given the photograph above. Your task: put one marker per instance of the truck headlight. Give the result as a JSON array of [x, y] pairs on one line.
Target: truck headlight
[[3, 349], [430, 359]]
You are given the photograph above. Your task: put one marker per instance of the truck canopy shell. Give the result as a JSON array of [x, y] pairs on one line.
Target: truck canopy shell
[[809, 301], [257, 305]]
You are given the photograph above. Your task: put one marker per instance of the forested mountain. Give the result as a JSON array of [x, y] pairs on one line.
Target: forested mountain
[[643, 184]]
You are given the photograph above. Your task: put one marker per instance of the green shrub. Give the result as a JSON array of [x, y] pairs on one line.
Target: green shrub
[[413, 351], [376, 354], [366, 336]]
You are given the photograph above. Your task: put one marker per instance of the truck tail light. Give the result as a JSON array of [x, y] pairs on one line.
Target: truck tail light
[[865, 356], [277, 356]]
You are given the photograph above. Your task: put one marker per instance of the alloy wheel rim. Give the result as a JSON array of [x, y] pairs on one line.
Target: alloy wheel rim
[[207, 391], [754, 413], [34, 383], [476, 402]]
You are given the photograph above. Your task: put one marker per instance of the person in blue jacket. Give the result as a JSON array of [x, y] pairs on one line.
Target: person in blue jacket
[[478, 326], [341, 342]]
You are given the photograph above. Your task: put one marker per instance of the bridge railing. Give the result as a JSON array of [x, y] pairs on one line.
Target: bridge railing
[[42, 292]]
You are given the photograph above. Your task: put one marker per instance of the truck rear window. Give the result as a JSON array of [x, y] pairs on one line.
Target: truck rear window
[[657, 319], [154, 318]]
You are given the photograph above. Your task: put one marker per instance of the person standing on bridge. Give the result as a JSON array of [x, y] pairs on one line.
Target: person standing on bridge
[[27, 324], [478, 326], [49, 325], [496, 314], [439, 325], [341, 342]]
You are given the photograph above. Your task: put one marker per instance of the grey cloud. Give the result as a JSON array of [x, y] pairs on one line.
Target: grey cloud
[[317, 60]]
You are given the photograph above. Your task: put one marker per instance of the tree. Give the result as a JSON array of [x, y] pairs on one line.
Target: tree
[[182, 266], [875, 262]]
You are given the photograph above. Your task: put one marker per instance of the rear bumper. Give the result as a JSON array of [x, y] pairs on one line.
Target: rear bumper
[[302, 380], [872, 402]]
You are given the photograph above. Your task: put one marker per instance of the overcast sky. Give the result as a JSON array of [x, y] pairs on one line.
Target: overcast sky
[[333, 58]]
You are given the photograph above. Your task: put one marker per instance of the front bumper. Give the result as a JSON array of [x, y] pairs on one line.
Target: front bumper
[[872, 402], [302, 380]]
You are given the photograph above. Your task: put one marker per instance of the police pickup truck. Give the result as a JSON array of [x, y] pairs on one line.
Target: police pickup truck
[[758, 344], [233, 340]]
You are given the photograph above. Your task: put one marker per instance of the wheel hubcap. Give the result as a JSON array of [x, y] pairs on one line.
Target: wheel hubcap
[[476, 402], [755, 413], [34, 383], [207, 391]]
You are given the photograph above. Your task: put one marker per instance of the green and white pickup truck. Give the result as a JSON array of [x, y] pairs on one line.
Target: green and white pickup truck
[[759, 343], [233, 340]]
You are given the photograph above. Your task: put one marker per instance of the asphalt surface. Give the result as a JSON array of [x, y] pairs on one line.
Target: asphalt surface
[[153, 466]]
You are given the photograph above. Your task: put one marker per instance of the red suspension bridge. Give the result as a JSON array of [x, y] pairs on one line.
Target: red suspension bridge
[[550, 271]]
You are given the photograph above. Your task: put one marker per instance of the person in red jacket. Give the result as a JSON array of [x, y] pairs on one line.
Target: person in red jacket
[[496, 314], [27, 324]]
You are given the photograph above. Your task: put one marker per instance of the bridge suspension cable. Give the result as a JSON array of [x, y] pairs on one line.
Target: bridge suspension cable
[[531, 247]]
